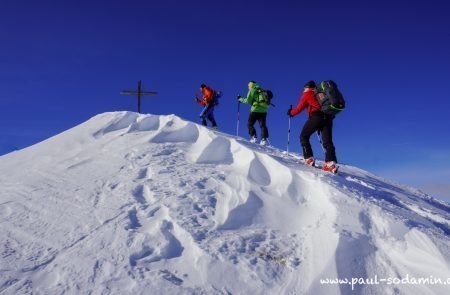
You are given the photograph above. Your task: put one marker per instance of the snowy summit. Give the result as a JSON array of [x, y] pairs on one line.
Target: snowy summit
[[143, 204]]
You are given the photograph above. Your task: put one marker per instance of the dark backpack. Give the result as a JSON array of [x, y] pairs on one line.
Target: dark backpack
[[330, 98], [265, 96], [217, 95]]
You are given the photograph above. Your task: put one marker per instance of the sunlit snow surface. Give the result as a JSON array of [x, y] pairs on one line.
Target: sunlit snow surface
[[143, 204]]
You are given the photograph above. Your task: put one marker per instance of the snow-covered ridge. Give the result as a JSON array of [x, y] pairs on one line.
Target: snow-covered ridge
[[143, 204]]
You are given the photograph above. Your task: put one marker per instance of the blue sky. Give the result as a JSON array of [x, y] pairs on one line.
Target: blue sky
[[63, 62]]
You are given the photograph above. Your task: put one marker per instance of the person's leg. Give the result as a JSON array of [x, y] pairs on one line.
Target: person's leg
[[211, 118], [327, 139], [262, 124], [311, 126], [251, 121], [203, 115]]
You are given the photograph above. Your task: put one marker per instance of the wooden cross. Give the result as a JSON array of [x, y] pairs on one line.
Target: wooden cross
[[139, 92]]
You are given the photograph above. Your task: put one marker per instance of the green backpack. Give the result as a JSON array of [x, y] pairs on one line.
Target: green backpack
[[265, 96]]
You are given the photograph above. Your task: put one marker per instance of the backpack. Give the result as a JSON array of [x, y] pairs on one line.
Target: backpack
[[265, 96], [330, 98], [217, 95]]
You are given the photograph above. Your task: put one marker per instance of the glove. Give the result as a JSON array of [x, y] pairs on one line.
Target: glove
[[289, 113], [239, 97]]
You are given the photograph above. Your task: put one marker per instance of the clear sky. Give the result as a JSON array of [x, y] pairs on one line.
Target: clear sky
[[62, 62]]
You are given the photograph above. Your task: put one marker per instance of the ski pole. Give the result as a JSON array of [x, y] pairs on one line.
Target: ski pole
[[320, 140], [238, 115], [289, 131]]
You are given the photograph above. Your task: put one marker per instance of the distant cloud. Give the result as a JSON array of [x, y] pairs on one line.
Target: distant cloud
[[438, 190], [428, 177]]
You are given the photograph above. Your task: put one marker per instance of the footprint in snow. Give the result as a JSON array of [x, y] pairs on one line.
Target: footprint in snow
[[143, 195], [145, 252], [138, 194], [173, 247], [165, 152], [197, 208], [167, 246], [145, 173], [167, 275], [201, 183], [153, 211], [134, 220]]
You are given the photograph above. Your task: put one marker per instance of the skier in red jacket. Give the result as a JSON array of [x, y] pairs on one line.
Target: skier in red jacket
[[207, 101], [317, 121]]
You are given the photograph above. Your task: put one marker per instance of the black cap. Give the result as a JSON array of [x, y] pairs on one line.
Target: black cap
[[202, 86], [310, 84]]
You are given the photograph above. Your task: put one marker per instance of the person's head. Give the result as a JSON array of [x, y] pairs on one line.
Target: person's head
[[310, 84], [251, 84], [202, 86]]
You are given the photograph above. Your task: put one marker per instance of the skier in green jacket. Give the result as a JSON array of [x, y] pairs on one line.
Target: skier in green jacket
[[258, 112]]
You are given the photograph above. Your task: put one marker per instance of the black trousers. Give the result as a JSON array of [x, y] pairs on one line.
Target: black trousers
[[261, 118], [209, 114], [324, 124]]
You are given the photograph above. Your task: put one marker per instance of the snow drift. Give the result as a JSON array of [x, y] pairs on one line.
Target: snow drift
[[142, 204]]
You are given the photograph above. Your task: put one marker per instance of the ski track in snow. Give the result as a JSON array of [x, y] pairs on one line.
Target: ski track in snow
[[126, 203]]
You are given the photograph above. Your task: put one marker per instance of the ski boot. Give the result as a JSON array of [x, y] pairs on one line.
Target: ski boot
[[265, 142], [310, 162], [330, 166]]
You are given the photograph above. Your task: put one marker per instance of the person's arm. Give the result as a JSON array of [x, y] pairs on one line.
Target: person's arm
[[250, 97], [200, 102], [301, 105]]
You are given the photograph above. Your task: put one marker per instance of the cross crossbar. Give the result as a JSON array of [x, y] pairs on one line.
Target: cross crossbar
[[139, 93]]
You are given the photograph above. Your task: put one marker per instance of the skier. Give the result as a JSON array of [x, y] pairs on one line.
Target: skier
[[317, 121], [258, 112], [208, 102]]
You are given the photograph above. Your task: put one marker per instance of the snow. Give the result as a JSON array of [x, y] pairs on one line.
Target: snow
[[143, 204]]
